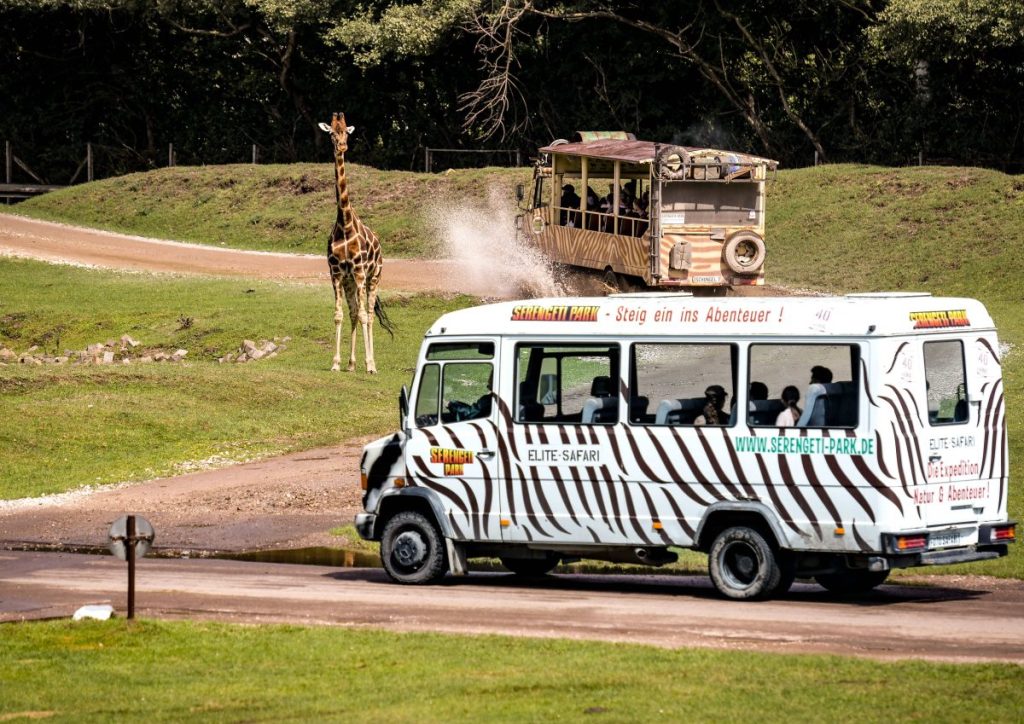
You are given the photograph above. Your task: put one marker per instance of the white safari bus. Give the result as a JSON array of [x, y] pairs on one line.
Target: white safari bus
[[833, 438]]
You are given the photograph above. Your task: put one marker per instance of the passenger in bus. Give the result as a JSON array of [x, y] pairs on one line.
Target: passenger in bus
[[758, 391], [714, 407], [814, 413], [570, 200], [593, 205], [788, 417]]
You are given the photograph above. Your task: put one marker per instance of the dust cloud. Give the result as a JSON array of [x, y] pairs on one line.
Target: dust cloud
[[481, 240]]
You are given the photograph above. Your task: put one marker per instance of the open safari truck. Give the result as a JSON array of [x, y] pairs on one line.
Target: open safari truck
[[671, 216]]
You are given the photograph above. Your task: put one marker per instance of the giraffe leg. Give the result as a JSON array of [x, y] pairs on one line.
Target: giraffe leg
[[339, 317], [353, 295]]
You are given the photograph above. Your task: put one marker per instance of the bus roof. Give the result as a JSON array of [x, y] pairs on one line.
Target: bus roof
[[675, 314], [633, 151]]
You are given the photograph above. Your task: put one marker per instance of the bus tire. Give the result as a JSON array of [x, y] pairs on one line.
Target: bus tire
[[412, 549], [851, 583], [744, 252], [531, 567], [743, 565]]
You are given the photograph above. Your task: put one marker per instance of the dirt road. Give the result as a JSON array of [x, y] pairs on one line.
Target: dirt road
[[977, 620], [71, 244]]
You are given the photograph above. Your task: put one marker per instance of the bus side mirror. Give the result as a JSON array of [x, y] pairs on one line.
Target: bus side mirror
[[519, 222], [520, 192], [403, 409]]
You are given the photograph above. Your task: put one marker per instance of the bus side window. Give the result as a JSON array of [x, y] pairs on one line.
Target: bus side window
[[682, 384], [573, 384], [945, 382], [428, 396], [808, 385]]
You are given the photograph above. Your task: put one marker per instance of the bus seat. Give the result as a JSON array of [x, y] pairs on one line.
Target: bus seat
[[840, 404], [529, 409], [764, 412], [679, 412], [601, 386], [638, 409], [600, 409]]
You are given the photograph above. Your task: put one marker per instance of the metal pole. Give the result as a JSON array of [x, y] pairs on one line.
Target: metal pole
[[170, 154], [130, 551], [519, 158], [815, 157], [426, 160], [10, 155], [254, 153], [920, 158], [88, 162]]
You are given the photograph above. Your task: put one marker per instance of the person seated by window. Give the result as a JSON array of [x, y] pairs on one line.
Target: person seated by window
[[788, 417], [593, 205], [758, 391], [569, 203], [820, 376], [714, 407]]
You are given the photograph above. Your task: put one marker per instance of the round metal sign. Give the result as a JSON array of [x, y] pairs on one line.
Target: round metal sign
[[118, 537]]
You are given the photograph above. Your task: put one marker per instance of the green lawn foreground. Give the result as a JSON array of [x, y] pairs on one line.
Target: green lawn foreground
[[64, 426], [177, 671]]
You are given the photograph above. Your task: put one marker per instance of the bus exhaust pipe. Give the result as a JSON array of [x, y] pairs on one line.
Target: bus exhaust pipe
[[655, 556]]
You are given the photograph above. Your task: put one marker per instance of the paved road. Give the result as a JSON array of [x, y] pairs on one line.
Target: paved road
[[970, 620]]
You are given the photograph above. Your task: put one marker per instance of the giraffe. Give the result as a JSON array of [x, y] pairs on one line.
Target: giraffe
[[354, 257]]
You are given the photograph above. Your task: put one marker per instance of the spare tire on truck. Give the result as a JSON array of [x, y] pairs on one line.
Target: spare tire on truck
[[672, 162], [744, 252]]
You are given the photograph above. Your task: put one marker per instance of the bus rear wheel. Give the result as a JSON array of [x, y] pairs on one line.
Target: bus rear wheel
[[412, 549], [743, 565], [851, 583]]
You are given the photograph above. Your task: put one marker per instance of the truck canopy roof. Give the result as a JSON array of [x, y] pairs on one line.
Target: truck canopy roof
[[675, 314], [630, 150]]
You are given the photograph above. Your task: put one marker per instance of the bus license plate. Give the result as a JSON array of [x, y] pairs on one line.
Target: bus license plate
[[945, 539]]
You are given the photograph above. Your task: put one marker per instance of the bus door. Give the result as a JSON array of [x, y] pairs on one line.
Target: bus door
[[452, 445]]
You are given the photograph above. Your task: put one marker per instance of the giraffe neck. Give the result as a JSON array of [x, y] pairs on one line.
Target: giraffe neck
[[346, 217]]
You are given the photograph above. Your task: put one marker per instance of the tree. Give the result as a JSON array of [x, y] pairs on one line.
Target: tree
[[763, 59]]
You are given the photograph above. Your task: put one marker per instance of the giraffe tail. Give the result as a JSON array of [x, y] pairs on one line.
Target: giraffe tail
[[382, 317]]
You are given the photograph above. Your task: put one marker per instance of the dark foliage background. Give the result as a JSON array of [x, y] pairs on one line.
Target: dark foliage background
[[859, 80]]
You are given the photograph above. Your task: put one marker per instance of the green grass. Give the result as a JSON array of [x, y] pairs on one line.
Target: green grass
[[65, 426], [271, 208], [166, 671]]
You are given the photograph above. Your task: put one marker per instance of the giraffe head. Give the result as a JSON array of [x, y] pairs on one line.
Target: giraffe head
[[339, 132]]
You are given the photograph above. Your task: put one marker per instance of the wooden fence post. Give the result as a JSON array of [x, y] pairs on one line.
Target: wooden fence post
[[9, 154], [170, 154], [88, 162]]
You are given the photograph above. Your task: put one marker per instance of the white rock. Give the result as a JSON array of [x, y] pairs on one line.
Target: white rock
[[100, 612]]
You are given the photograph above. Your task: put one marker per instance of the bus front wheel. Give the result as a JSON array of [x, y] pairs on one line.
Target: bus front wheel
[[412, 549]]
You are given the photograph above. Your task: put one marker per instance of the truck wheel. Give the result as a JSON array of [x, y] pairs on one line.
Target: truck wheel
[[849, 583], [531, 567], [611, 281], [744, 252], [743, 565], [412, 549]]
